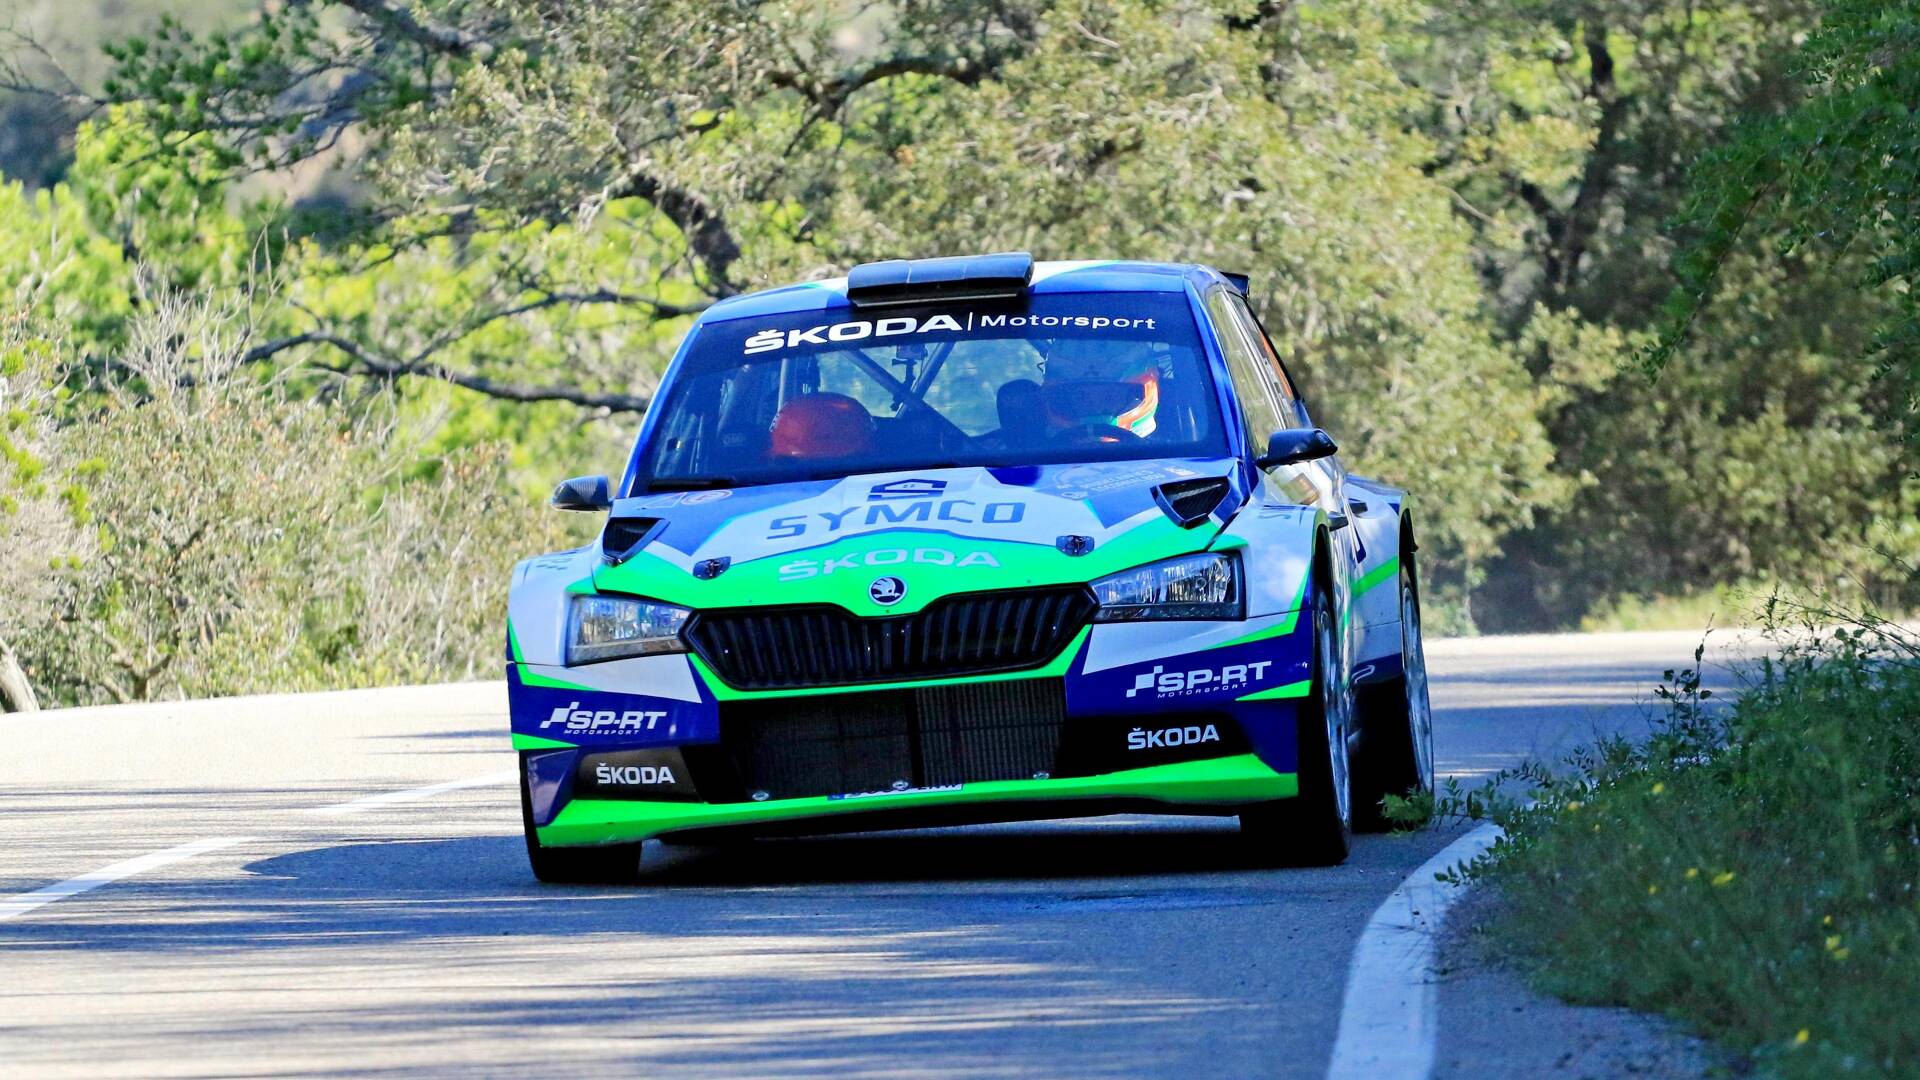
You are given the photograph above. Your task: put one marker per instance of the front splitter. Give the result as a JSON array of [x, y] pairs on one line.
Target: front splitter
[[1228, 781]]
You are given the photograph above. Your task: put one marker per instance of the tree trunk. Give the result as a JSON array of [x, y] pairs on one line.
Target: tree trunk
[[16, 693]]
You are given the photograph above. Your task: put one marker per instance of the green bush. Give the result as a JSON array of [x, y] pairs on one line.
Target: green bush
[[1752, 871], [233, 534]]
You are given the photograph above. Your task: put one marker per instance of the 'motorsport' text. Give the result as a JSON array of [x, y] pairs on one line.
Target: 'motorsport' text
[[958, 323]]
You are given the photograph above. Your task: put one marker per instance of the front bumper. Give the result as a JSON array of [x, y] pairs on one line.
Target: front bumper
[[1105, 700], [1194, 786]]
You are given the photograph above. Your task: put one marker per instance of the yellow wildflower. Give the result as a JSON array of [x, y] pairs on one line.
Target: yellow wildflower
[[1801, 1038], [1692, 872], [1833, 941], [1724, 877], [1659, 787], [1651, 889], [1828, 921]]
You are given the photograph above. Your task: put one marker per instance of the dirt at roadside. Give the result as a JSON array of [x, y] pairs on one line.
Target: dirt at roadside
[[1493, 1025]]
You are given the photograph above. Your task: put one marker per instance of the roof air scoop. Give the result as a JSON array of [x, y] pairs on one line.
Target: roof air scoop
[[932, 281]]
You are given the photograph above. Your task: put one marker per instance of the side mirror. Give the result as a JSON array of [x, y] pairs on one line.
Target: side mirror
[[1294, 445], [583, 493]]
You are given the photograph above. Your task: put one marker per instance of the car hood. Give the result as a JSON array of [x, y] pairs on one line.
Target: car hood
[[934, 532]]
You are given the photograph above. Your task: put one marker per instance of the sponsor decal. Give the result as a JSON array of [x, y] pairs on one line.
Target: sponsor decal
[[1084, 481], [905, 325], [575, 718], [1166, 683], [697, 498], [611, 775], [884, 513], [899, 788], [1085, 322], [907, 489], [648, 775], [1158, 738], [860, 330], [887, 591], [801, 569]]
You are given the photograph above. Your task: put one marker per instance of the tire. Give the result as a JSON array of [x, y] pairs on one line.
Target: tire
[[1315, 827], [1396, 722], [575, 866]]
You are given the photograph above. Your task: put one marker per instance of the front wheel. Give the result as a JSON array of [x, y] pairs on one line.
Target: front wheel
[[1315, 827], [574, 866], [1396, 722]]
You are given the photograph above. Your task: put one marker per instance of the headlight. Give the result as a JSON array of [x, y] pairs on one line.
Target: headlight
[[1190, 587], [610, 627]]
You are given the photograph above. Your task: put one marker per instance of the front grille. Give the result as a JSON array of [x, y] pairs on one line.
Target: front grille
[[823, 645], [887, 740]]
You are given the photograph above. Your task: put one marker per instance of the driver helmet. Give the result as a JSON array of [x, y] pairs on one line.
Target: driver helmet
[[821, 426], [1103, 382]]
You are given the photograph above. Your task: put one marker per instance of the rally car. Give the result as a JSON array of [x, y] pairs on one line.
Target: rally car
[[962, 540]]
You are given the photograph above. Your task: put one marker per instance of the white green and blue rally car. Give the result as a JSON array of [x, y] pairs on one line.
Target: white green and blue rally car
[[962, 540]]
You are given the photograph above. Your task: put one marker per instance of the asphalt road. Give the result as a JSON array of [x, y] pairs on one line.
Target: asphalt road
[[407, 935]]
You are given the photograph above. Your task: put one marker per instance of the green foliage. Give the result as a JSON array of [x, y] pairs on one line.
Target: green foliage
[[495, 217], [247, 538], [1750, 871], [43, 529], [1139, 132], [1835, 177], [1766, 448]]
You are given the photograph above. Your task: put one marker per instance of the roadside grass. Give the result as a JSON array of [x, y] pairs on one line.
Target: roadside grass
[[1692, 610], [1753, 871]]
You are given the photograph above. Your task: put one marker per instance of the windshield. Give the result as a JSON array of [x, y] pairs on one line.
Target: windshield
[[1059, 378]]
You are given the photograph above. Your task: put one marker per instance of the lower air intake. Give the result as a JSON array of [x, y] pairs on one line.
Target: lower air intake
[[888, 740]]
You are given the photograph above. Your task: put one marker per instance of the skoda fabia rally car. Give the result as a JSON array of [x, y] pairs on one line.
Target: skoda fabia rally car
[[964, 540]]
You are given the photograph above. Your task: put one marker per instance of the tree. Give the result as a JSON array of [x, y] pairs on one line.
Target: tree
[[762, 143], [1757, 454], [40, 514], [1835, 177]]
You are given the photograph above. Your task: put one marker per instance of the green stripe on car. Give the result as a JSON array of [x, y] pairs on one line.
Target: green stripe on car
[[1228, 781]]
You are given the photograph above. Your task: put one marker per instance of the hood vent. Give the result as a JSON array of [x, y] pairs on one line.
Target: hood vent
[[1188, 502], [624, 537]]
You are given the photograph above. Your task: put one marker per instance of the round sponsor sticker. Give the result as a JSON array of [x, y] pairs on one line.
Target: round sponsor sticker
[[695, 498]]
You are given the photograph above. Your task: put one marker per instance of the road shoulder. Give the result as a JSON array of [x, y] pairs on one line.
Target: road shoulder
[[1492, 1024]]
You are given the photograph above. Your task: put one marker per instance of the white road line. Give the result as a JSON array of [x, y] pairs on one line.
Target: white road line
[[1389, 1022], [386, 798], [16, 906]]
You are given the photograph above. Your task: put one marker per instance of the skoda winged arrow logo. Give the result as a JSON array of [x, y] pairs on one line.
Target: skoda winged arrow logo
[[887, 591]]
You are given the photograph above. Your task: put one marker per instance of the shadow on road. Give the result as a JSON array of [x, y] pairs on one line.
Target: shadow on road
[[788, 956], [1114, 850], [480, 886]]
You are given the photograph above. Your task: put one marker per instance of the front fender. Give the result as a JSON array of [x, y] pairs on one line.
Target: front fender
[[1276, 544], [537, 603]]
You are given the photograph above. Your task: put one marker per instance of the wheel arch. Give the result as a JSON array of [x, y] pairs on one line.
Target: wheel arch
[[1408, 546]]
